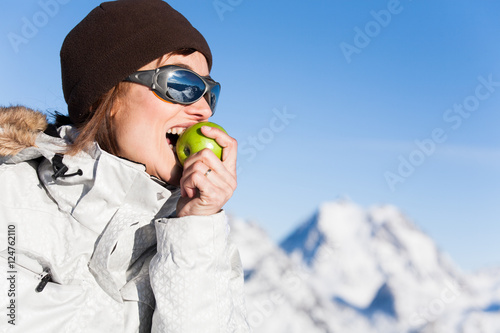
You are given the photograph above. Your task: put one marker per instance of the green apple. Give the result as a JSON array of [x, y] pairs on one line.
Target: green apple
[[192, 141]]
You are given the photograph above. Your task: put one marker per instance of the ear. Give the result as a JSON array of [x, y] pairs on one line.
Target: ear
[[119, 97], [115, 108]]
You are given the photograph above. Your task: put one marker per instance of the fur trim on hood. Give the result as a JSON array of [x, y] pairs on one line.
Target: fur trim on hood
[[19, 128]]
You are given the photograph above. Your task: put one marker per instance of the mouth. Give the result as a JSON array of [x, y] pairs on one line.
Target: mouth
[[173, 135]]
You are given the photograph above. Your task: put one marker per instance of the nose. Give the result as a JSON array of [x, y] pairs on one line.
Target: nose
[[200, 109]]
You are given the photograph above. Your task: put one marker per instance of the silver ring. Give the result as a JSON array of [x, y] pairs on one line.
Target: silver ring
[[208, 172]]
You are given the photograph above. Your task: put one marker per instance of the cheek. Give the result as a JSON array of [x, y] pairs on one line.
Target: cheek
[[141, 126], [135, 126]]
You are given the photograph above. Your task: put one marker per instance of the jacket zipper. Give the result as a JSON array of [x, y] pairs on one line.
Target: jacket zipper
[[45, 277]]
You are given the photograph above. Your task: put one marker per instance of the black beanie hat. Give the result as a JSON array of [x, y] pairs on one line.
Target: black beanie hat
[[116, 39]]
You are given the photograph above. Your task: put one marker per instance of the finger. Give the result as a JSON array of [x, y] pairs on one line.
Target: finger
[[192, 182], [212, 185], [206, 159], [197, 176], [229, 145], [196, 166]]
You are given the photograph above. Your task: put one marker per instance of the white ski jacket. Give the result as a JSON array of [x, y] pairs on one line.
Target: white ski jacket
[[89, 243]]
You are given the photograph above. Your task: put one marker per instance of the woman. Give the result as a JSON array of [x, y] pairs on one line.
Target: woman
[[105, 231]]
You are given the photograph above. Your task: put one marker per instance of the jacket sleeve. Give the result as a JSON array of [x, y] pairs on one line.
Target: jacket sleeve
[[197, 277]]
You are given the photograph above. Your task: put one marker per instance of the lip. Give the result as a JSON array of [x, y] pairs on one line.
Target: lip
[[186, 125], [177, 162]]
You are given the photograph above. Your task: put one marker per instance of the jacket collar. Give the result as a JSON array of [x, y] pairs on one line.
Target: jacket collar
[[96, 183]]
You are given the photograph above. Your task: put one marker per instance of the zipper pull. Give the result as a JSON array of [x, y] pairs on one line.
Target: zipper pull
[[45, 277], [60, 168]]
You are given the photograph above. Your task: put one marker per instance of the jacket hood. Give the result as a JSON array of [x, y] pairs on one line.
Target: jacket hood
[[19, 128], [90, 185], [115, 199]]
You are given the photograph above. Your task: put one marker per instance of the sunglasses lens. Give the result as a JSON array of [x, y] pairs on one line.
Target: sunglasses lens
[[184, 86], [214, 97]]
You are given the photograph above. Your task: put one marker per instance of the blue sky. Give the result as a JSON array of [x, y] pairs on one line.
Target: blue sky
[[383, 102]]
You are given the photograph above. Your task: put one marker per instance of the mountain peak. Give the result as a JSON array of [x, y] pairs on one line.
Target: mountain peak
[[353, 269]]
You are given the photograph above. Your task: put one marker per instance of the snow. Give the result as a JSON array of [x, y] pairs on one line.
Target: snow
[[351, 269]]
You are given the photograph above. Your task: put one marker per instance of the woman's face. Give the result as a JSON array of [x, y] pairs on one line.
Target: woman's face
[[142, 121]]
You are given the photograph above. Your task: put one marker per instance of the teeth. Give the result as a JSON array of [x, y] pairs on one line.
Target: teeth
[[171, 146], [176, 130]]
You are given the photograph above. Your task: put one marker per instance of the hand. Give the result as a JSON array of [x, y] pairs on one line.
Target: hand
[[206, 194]]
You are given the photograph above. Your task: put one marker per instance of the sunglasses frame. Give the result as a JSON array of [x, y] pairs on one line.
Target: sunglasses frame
[[149, 78]]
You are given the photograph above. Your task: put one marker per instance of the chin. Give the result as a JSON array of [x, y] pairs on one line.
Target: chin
[[175, 176]]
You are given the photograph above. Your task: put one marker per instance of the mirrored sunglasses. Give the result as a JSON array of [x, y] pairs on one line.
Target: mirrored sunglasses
[[178, 85]]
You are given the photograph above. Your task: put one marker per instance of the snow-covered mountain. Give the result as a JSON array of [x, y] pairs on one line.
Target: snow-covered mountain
[[350, 269]]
